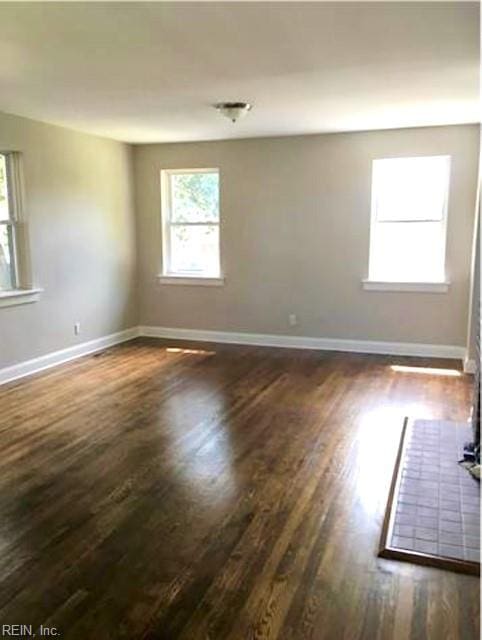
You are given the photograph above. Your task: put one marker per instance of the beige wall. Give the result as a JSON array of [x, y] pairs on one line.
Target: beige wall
[[80, 215], [295, 214]]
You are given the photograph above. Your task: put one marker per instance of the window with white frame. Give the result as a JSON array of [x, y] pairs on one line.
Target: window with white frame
[[190, 223], [409, 219], [8, 225]]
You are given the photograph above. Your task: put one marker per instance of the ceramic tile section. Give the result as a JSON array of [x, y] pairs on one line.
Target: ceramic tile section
[[438, 502]]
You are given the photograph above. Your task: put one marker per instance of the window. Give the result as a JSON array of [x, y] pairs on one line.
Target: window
[[408, 222], [15, 266], [190, 217], [8, 261]]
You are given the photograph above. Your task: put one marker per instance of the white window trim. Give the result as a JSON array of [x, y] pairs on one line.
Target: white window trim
[[167, 277], [409, 287], [195, 280], [23, 292], [412, 287], [14, 297]]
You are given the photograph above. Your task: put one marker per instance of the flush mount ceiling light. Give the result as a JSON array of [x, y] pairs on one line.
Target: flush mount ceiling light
[[233, 110]]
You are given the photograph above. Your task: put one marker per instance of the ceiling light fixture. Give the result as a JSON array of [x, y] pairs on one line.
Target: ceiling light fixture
[[233, 110]]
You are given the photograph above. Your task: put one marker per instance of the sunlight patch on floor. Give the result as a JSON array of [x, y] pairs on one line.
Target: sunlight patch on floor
[[432, 371], [200, 352]]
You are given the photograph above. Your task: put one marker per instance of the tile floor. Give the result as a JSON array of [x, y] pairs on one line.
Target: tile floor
[[438, 502]]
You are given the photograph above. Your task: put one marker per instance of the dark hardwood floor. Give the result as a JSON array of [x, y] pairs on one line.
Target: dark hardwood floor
[[167, 490]]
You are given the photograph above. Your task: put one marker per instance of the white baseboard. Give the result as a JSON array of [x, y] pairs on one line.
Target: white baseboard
[[469, 365], [301, 342], [256, 339], [65, 355]]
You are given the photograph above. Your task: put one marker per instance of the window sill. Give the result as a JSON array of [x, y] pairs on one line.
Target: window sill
[[191, 280], [412, 287], [19, 296]]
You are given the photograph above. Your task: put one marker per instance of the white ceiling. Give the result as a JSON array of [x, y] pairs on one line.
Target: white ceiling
[[148, 72]]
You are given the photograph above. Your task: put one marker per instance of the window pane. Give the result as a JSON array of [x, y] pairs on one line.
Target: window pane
[[410, 188], [407, 252], [195, 250], [4, 212], [6, 258], [195, 197]]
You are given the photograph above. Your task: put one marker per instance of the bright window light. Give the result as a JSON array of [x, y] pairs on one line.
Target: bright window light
[[8, 227], [408, 222], [432, 371], [190, 223]]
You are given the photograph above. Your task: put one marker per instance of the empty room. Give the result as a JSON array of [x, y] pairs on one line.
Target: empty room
[[240, 320]]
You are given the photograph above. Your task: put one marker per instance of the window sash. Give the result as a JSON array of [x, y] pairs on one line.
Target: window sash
[[215, 223], [390, 170], [423, 220], [167, 175], [208, 263], [408, 254]]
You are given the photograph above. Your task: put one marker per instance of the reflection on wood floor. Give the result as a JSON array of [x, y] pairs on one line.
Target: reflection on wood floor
[[197, 491]]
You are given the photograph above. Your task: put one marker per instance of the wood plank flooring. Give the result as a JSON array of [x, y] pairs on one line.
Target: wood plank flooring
[[167, 490]]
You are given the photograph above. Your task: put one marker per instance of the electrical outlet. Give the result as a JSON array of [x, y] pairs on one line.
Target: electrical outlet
[[292, 320], [77, 328]]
